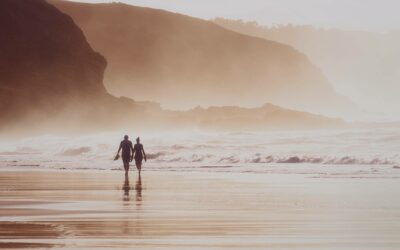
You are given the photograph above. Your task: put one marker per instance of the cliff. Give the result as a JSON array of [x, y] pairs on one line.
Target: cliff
[[49, 74], [183, 62], [362, 65], [52, 80]]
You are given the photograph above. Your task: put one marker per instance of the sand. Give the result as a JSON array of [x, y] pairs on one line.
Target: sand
[[196, 210]]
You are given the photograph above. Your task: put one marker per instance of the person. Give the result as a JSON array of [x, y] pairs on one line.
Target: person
[[126, 146], [139, 154]]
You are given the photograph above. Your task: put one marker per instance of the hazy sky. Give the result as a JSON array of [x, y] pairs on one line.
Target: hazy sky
[[372, 15]]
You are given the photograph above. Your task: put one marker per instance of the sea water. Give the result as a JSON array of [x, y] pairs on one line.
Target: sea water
[[358, 153]]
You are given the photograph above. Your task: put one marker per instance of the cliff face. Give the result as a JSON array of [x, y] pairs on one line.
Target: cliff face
[[48, 71], [50, 78], [183, 62], [43, 51], [363, 65]]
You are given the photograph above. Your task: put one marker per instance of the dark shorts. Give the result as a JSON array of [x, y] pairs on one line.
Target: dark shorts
[[126, 159]]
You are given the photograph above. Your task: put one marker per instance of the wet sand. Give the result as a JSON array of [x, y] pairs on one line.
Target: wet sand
[[192, 210]]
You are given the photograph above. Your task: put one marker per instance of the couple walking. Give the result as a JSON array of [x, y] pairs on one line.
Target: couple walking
[[137, 153]]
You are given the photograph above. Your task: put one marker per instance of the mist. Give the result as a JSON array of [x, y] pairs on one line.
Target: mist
[[361, 15], [360, 65], [120, 66]]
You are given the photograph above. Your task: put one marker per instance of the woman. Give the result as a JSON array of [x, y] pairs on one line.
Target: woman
[[139, 154]]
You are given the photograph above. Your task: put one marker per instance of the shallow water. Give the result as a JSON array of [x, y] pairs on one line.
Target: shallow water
[[348, 153]]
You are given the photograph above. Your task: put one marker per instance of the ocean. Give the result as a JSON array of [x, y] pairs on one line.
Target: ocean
[[368, 153]]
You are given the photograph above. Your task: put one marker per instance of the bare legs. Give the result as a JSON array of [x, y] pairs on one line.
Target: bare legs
[[126, 166], [139, 167]]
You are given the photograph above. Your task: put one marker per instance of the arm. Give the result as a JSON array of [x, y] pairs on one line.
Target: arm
[[120, 147], [144, 154], [133, 152]]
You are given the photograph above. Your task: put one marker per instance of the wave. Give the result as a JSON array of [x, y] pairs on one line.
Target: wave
[[155, 155], [344, 160], [267, 159], [12, 153], [76, 151], [243, 151]]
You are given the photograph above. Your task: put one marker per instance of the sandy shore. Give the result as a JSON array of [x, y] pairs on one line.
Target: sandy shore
[[168, 210]]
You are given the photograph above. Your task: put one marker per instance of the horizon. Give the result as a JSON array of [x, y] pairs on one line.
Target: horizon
[[370, 15]]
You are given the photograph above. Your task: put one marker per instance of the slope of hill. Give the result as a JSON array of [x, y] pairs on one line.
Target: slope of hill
[[48, 71], [51, 79], [363, 65], [183, 62]]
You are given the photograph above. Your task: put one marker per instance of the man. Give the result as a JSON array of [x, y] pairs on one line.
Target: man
[[126, 146], [139, 154]]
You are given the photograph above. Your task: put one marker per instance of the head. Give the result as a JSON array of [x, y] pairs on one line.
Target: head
[[138, 140], [126, 137]]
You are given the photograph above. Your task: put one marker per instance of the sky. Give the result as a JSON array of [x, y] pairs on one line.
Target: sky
[[366, 15]]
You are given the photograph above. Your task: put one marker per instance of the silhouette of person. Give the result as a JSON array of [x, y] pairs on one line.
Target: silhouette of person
[[139, 154], [126, 146], [126, 188]]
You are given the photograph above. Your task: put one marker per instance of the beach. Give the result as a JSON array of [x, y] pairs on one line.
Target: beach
[[255, 125], [195, 210]]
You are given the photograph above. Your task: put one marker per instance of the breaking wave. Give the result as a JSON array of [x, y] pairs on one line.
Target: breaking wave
[[244, 152], [76, 151], [267, 159]]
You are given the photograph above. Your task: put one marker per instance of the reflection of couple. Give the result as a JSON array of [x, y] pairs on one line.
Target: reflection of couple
[[138, 187], [137, 153]]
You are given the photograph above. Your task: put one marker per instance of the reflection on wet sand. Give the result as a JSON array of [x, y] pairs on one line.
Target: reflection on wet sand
[[82, 210], [126, 188], [138, 188]]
